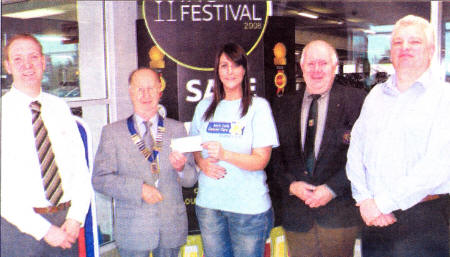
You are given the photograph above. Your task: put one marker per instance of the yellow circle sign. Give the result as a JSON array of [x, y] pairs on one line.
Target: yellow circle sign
[[280, 80]]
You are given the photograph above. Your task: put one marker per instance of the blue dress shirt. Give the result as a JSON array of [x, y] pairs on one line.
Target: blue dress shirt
[[399, 149]]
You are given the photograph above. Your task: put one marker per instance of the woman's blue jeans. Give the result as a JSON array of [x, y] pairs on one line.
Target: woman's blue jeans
[[228, 234]]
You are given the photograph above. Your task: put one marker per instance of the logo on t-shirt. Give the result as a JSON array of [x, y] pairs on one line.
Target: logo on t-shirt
[[229, 128]]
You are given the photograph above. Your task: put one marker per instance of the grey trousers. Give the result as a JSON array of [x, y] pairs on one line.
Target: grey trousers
[[158, 252], [18, 244]]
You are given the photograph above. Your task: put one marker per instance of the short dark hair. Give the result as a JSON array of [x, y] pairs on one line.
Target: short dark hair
[[237, 54], [18, 37]]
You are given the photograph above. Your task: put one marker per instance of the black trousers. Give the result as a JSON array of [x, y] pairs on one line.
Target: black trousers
[[422, 230], [17, 244]]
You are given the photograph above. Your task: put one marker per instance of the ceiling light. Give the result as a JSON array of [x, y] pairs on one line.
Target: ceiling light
[[308, 15], [51, 38], [332, 21], [35, 13], [12, 1], [369, 31], [366, 31]]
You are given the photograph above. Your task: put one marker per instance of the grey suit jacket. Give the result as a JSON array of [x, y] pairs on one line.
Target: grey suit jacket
[[120, 169]]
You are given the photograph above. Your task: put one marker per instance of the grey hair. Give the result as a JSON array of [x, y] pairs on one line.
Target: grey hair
[[334, 56], [412, 20]]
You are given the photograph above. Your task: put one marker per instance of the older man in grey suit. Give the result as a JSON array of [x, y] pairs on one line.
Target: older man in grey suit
[[135, 165]]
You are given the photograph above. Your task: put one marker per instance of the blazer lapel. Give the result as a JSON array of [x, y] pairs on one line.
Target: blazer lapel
[[333, 116], [297, 114]]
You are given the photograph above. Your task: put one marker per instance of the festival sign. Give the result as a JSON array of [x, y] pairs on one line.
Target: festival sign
[[189, 32]]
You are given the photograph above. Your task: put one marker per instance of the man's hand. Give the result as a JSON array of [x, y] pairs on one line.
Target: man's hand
[[150, 194], [320, 197], [177, 160], [56, 237], [384, 220], [369, 211], [72, 228], [302, 190]]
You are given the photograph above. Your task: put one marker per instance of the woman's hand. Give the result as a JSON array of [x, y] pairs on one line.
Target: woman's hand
[[215, 150], [212, 170], [209, 166]]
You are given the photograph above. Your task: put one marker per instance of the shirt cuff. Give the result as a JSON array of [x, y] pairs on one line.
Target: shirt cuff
[[331, 191], [36, 226], [385, 203], [77, 216], [41, 231]]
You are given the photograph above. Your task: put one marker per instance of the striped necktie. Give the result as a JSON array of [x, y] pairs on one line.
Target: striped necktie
[[49, 170]]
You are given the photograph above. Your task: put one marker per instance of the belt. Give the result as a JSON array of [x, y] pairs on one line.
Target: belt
[[52, 209], [432, 197]]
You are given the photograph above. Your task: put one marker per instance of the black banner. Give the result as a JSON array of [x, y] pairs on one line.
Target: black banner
[[180, 39], [188, 35]]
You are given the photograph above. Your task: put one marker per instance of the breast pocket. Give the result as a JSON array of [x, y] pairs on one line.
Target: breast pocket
[[417, 124]]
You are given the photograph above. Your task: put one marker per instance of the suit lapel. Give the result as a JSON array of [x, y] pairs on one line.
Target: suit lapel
[[333, 116], [297, 120]]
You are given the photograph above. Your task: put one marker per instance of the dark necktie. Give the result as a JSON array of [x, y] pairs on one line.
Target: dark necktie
[[148, 139], [49, 170], [310, 137]]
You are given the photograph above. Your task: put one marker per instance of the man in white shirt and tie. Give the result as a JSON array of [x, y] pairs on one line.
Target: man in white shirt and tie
[[45, 185]]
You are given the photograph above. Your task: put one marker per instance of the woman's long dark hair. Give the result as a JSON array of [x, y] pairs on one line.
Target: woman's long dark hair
[[237, 54]]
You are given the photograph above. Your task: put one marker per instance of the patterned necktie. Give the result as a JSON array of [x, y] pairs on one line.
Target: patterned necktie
[[148, 139], [310, 137], [49, 170]]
